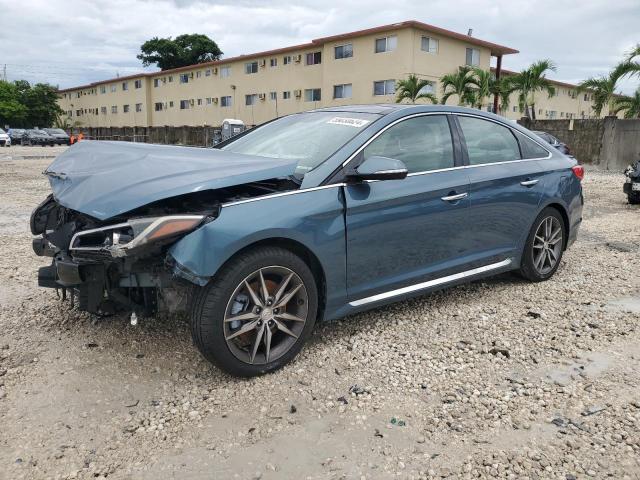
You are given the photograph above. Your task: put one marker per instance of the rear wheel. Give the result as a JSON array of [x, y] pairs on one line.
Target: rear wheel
[[544, 246], [256, 314], [634, 198]]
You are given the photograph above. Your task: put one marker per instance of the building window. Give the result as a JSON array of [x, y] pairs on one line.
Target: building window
[[343, 51], [184, 78], [314, 58], [286, 95], [113, 88], [125, 108], [198, 73], [103, 110], [342, 91], [312, 95], [251, 99], [156, 82], [251, 67], [429, 44], [207, 72], [208, 100], [199, 101], [473, 57], [125, 86], [137, 84], [114, 109], [138, 107], [158, 106], [171, 104], [286, 60], [384, 87], [103, 89], [225, 72], [273, 62], [273, 96], [515, 109], [225, 101], [170, 78], [386, 44], [428, 88], [184, 104], [78, 113]]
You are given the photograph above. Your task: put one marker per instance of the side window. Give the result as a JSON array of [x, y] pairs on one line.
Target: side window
[[488, 142], [422, 143], [531, 149]]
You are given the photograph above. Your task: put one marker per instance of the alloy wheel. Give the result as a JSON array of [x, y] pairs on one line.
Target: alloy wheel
[[547, 245], [265, 315]]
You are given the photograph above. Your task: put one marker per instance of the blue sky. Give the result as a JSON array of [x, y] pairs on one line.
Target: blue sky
[[70, 42]]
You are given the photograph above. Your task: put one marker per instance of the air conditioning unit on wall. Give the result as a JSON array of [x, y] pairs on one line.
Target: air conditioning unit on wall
[[191, 102], [297, 58], [263, 63], [262, 96], [215, 70], [215, 100], [297, 93]]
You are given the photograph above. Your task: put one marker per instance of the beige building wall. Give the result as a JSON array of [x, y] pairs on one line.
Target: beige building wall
[[160, 94]]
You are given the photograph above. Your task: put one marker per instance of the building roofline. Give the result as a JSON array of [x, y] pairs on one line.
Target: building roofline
[[494, 47], [555, 82]]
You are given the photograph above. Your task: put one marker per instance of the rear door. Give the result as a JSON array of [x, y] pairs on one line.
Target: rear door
[[505, 188], [400, 232]]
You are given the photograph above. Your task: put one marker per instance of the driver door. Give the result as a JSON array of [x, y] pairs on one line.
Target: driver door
[[402, 232]]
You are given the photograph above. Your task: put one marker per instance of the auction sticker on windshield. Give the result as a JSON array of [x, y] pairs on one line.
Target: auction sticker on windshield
[[351, 122]]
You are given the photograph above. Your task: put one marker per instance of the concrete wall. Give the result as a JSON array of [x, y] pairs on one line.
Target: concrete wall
[[611, 143]]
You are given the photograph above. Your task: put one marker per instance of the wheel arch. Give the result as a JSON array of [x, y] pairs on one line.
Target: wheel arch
[[302, 251], [565, 218]]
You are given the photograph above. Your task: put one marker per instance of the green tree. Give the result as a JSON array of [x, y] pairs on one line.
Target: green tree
[[529, 82], [603, 88], [413, 89], [22, 105], [12, 111], [187, 49], [484, 86], [460, 83], [630, 105]]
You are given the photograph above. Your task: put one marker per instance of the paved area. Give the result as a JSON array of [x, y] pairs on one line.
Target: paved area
[[496, 379]]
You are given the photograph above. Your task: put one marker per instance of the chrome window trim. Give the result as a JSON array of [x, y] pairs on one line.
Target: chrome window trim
[[431, 283], [281, 194]]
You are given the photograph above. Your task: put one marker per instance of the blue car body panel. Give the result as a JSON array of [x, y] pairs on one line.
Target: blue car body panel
[[105, 179], [381, 236]]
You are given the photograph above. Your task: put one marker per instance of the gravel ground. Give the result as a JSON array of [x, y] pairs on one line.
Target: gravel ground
[[499, 378]]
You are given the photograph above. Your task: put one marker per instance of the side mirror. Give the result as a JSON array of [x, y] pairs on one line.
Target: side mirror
[[379, 168]]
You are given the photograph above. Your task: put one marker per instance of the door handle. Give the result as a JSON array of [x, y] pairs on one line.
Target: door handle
[[453, 198], [529, 183]]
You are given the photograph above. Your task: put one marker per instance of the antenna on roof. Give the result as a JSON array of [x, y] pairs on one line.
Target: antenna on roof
[[470, 32]]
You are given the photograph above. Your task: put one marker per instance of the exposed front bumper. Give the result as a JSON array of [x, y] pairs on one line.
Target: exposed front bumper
[[627, 187]]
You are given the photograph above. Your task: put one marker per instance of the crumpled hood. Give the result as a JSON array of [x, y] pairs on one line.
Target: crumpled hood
[[105, 179]]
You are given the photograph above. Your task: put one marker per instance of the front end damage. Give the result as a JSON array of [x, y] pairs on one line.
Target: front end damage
[[121, 264]]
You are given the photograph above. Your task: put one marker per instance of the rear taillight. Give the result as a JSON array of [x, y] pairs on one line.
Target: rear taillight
[[578, 171]]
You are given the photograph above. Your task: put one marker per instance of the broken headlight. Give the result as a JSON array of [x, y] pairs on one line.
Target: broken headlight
[[121, 238]]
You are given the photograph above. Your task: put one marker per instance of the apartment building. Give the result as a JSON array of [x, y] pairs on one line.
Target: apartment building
[[359, 67], [567, 103], [356, 67]]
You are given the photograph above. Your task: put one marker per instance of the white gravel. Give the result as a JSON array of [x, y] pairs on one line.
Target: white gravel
[[499, 378]]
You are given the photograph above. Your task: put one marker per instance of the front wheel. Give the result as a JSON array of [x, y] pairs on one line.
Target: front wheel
[[257, 312], [544, 246], [633, 198]]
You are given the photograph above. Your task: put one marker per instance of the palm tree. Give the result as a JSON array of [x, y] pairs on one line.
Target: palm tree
[[530, 81], [503, 88], [413, 89], [484, 83], [629, 105], [459, 83], [633, 53], [604, 87]]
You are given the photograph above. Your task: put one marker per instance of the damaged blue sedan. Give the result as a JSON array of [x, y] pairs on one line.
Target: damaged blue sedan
[[309, 217]]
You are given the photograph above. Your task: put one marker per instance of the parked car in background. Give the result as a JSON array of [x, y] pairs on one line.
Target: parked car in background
[[60, 136], [37, 137], [554, 142], [16, 135], [5, 139], [309, 217], [631, 185]]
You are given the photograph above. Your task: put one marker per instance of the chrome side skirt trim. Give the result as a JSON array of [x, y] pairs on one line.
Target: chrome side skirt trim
[[430, 283]]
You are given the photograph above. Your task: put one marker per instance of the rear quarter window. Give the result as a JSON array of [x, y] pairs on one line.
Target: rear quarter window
[[531, 149]]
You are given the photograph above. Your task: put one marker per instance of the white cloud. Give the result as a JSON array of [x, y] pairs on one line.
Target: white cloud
[[70, 42]]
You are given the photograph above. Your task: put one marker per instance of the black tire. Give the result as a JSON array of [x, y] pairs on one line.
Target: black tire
[[634, 198], [528, 269], [210, 304]]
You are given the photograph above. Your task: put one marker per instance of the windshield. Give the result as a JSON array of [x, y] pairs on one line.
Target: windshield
[[2, 131], [310, 138]]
